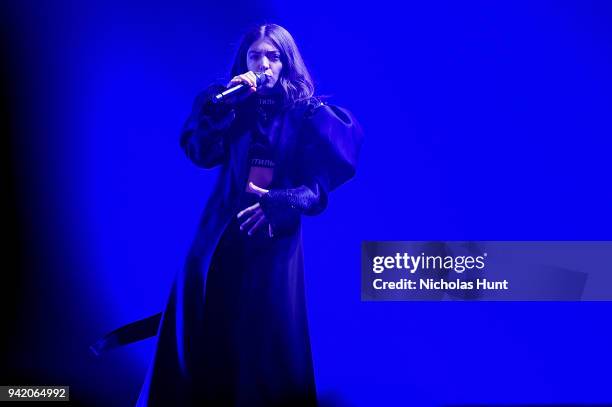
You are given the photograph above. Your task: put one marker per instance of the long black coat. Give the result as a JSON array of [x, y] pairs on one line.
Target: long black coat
[[235, 330]]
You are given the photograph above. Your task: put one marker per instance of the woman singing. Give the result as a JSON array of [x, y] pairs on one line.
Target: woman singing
[[234, 331]]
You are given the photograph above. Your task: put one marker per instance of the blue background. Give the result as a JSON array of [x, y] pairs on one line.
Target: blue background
[[483, 120]]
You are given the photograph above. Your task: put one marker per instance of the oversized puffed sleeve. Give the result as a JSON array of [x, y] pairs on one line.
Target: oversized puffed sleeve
[[204, 135], [330, 142]]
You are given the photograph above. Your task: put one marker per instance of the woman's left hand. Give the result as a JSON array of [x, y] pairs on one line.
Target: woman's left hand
[[257, 218]]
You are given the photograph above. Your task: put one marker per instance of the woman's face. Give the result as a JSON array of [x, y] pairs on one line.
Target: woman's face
[[263, 56]]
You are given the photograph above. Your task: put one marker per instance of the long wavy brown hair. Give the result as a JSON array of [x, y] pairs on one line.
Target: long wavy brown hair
[[295, 79]]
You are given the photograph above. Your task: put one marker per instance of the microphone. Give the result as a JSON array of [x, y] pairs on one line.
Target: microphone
[[241, 87]]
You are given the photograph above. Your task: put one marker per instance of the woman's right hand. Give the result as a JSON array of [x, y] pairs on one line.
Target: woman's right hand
[[247, 78]]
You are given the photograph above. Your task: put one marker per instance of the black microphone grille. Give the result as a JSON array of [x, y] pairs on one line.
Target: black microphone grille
[[261, 78]]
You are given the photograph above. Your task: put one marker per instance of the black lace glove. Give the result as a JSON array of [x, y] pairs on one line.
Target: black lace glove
[[283, 207]]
